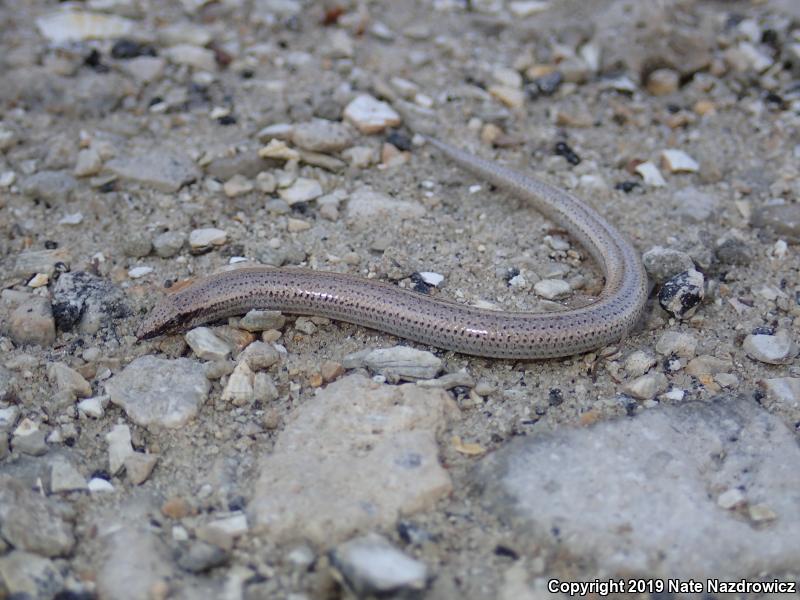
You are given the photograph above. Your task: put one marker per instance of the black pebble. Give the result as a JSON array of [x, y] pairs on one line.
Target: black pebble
[[123, 49], [563, 149], [626, 186]]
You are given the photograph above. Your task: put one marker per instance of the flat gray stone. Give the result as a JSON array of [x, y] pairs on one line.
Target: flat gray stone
[[368, 206], [354, 457], [26, 575], [166, 171], [371, 565], [54, 186], [160, 392], [31, 522], [321, 135], [397, 363], [640, 496], [135, 560]]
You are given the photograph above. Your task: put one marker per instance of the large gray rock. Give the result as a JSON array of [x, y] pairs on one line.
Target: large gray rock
[[157, 392], [374, 456], [26, 575], [31, 522], [135, 561], [645, 495]]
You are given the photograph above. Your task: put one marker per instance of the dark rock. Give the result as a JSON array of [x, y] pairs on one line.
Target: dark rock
[[88, 301]]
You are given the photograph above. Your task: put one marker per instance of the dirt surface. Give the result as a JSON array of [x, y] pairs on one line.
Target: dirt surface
[[146, 118]]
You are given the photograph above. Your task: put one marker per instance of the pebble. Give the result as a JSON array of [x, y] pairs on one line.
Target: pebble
[[775, 349], [731, 499], [434, 279], [53, 186], [331, 370], [279, 150], [134, 564], [582, 482], [71, 219], [646, 386], [706, 364], [650, 174], [677, 161], [509, 96], [663, 263], [139, 272], [32, 322], [360, 157], [88, 301], [676, 343], [163, 170], [64, 477], [663, 82], [139, 466], [552, 289], [192, 56], [119, 447], [68, 381], [159, 392], [29, 439], [781, 219], [32, 522], [206, 344], [222, 532], [27, 575], [262, 320], [371, 566], [169, 243], [695, 206], [40, 261], [77, 26], [783, 390], [92, 407], [367, 206], [639, 363], [370, 115], [397, 362], [355, 476], [321, 135], [682, 294], [8, 414], [527, 8], [89, 162], [305, 325], [198, 557], [302, 190], [201, 240], [238, 185], [98, 485], [732, 249], [144, 69], [297, 225], [239, 389]]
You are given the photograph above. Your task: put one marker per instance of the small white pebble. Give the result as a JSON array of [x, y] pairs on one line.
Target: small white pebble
[[730, 499], [675, 394], [137, 272], [431, 278], [71, 219], [780, 249], [650, 174], [39, 280], [97, 485], [475, 188], [677, 161]]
